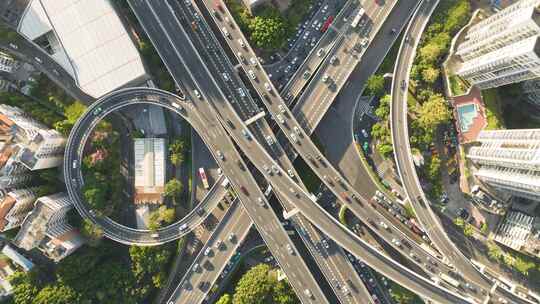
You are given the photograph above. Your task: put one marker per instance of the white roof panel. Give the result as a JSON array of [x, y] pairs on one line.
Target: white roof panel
[[95, 40]]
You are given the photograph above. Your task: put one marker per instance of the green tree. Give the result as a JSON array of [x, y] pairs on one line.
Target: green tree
[[375, 85], [95, 197], [430, 75], [383, 110], [431, 52], [25, 288], [283, 294], [268, 31], [161, 217], [523, 266], [74, 111], [173, 188], [91, 232], [468, 230], [150, 263], [458, 16], [484, 227], [225, 299], [63, 126], [402, 295], [254, 287], [176, 158], [434, 112], [56, 294], [494, 251]]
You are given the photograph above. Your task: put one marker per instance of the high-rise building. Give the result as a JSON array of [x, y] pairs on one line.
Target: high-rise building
[[14, 207], [25, 140], [503, 48], [513, 24], [46, 228], [509, 161]]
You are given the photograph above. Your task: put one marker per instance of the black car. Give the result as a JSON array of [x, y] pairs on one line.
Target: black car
[[463, 213]]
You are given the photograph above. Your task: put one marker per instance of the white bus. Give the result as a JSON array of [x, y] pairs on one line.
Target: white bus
[[449, 280], [357, 18]]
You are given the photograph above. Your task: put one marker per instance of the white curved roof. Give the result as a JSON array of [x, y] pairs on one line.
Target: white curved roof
[[98, 50]]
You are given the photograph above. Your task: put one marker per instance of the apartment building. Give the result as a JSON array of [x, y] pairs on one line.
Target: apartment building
[[503, 48], [27, 141], [509, 161], [14, 206], [46, 228]]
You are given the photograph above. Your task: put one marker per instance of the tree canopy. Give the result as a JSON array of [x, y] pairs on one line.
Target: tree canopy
[[259, 286]]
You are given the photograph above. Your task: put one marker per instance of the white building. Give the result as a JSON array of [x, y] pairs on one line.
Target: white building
[[14, 207], [253, 4], [7, 63], [27, 141], [509, 160], [149, 169], [47, 229], [513, 63], [503, 48], [88, 39], [17, 258], [513, 24]]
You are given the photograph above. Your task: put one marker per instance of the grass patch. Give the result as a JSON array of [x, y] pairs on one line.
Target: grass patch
[[387, 66], [457, 85], [493, 106], [343, 215]]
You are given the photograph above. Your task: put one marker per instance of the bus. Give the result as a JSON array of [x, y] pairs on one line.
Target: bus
[[327, 24], [449, 280], [204, 179], [357, 18]]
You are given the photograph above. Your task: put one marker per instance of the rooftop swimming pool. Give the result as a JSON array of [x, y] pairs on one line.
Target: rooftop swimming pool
[[466, 115]]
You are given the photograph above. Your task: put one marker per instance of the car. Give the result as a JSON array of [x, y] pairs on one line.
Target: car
[[396, 242], [13, 46], [364, 42], [243, 189], [38, 59], [290, 172], [393, 31], [364, 133], [197, 94], [232, 237], [383, 224], [325, 243], [333, 59], [182, 227], [246, 134], [280, 119], [226, 32], [207, 251], [290, 249], [196, 267], [297, 131], [251, 74], [306, 74], [320, 52], [463, 213], [308, 294], [281, 108], [253, 61], [267, 86], [230, 124], [201, 211], [225, 76], [403, 84], [294, 138], [241, 57], [275, 169], [267, 169], [261, 202], [220, 154], [228, 21], [325, 78], [269, 140], [218, 244], [201, 285], [241, 92], [241, 42], [97, 111]]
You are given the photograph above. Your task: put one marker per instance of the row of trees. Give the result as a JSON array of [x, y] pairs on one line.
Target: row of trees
[[104, 274], [260, 286], [524, 265]]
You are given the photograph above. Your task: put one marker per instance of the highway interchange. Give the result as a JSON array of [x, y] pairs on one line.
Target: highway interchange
[[217, 110]]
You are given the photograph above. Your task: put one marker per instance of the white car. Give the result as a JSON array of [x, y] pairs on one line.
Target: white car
[[241, 92], [253, 60], [297, 130], [290, 172], [281, 108], [197, 94], [13, 46], [280, 119], [241, 42], [241, 57], [320, 52], [225, 32], [325, 78], [294, 138], [364, 133], [251, 74], [207, 251], [226, 76], [269, 140], [267, 86]]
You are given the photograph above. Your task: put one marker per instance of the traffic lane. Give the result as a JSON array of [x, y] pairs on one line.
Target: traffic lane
[[212, 94], [235, 222]]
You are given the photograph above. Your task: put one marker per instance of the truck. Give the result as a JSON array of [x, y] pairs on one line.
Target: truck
[[356, 20], [225, 183], [203, 177], [327, 24]]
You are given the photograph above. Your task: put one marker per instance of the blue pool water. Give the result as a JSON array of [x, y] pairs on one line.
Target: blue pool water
[[466, 114]]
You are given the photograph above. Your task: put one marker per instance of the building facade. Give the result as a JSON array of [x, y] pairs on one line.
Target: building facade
[[27, 141], [14, 207], [503, 48], [46, 228], [509, 161], [7, 63]]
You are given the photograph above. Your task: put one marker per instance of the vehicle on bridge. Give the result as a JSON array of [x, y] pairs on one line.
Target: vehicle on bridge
[[356, 20], [204, 179]]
